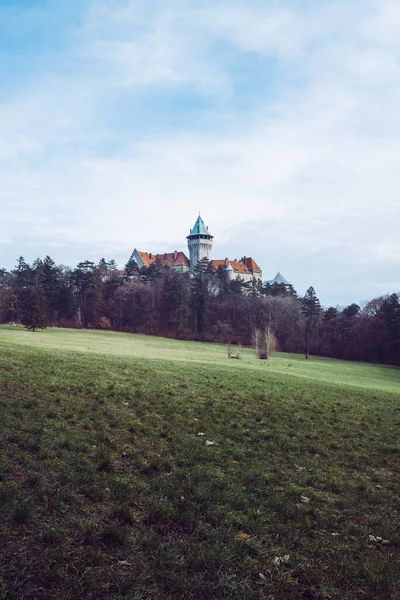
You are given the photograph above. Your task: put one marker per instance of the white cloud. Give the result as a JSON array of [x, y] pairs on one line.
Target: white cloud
[[304, 173]]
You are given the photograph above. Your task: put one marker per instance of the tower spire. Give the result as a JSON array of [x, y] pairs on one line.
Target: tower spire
[[199, 243]]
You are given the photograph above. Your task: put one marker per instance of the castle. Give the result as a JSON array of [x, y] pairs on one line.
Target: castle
[[200, 243]]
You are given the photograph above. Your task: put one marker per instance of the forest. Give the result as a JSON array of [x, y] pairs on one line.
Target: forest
[[204, 306]]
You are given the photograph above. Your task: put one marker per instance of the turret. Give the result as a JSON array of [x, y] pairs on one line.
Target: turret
[[199, 243], [229, 271]]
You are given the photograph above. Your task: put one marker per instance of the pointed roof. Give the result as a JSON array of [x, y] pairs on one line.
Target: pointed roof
[[228, 267], [199, 228], [278, 279], [168, 259]]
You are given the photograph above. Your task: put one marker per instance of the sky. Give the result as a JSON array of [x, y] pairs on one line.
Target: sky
[[278, 120]]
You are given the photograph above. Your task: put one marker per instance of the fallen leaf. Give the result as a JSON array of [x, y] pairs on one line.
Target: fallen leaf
[[242, 535]]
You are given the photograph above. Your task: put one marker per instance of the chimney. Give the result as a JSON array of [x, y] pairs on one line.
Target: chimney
[[226, 262], [150, 256], [175, 254]]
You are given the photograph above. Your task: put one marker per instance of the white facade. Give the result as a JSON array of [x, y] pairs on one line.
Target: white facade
[[199, 247]]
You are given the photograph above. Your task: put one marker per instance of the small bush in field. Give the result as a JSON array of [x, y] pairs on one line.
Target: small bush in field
[[104, 323], [235, 351], [265, 343]]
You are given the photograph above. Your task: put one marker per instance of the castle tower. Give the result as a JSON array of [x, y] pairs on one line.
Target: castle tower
[[199, 243]]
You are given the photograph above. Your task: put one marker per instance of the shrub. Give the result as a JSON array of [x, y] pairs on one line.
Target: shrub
[[264, 342], [235, 351], [104, 323]]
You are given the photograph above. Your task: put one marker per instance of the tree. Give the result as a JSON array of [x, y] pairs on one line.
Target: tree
[[154, 271], [201, 296], [265, 342], [131, 268], [102, 266], [34, 314], [311, 310], [285, 315], [23, 275], [222, 282], [175, 305], [345, 331], [283, 290], [391, 319], [5, 278], [87, 280], [11, 307]]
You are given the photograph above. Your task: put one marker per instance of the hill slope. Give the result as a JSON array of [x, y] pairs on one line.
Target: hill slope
[[109, 491]]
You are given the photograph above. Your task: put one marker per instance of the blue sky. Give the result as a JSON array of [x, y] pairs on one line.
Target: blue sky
[[278, 119]]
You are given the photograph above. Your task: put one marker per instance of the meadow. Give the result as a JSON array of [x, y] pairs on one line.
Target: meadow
[[144, 468]]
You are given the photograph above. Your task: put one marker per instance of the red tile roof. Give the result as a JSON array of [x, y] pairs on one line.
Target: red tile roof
[[237, 265], [168, 259], [252, 265]]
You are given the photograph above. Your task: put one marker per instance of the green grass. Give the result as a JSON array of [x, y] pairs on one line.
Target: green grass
[[107, 491]]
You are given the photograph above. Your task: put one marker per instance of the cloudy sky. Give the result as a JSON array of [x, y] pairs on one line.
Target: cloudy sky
[[278, 119]]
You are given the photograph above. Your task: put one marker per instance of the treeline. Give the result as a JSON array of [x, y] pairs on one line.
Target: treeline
[[207, 306]]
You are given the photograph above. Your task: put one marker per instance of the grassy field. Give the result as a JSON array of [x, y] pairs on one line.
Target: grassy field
[[107, 490]]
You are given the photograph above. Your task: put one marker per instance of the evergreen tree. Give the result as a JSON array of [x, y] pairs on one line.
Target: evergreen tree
[[34, 314], [51, 281], [4, 278], [237, 286], [311, 310], [154, 271], [103, 266], [23, 275], [11, 307], [131, 268], [176, 302], [84, 280], [391, 317], [346, 330], [201, 296], [222, 282]]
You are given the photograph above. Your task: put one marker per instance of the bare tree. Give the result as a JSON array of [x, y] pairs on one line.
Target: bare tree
[[264, 342], [235, 351]]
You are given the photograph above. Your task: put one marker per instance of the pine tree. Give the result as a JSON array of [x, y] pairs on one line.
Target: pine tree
[[391, 318], [311, 310], [201, 296], [51, 282], [103, 265], [12, 307], [176, 301], [34, 310], [131, 268], [23, 275]]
